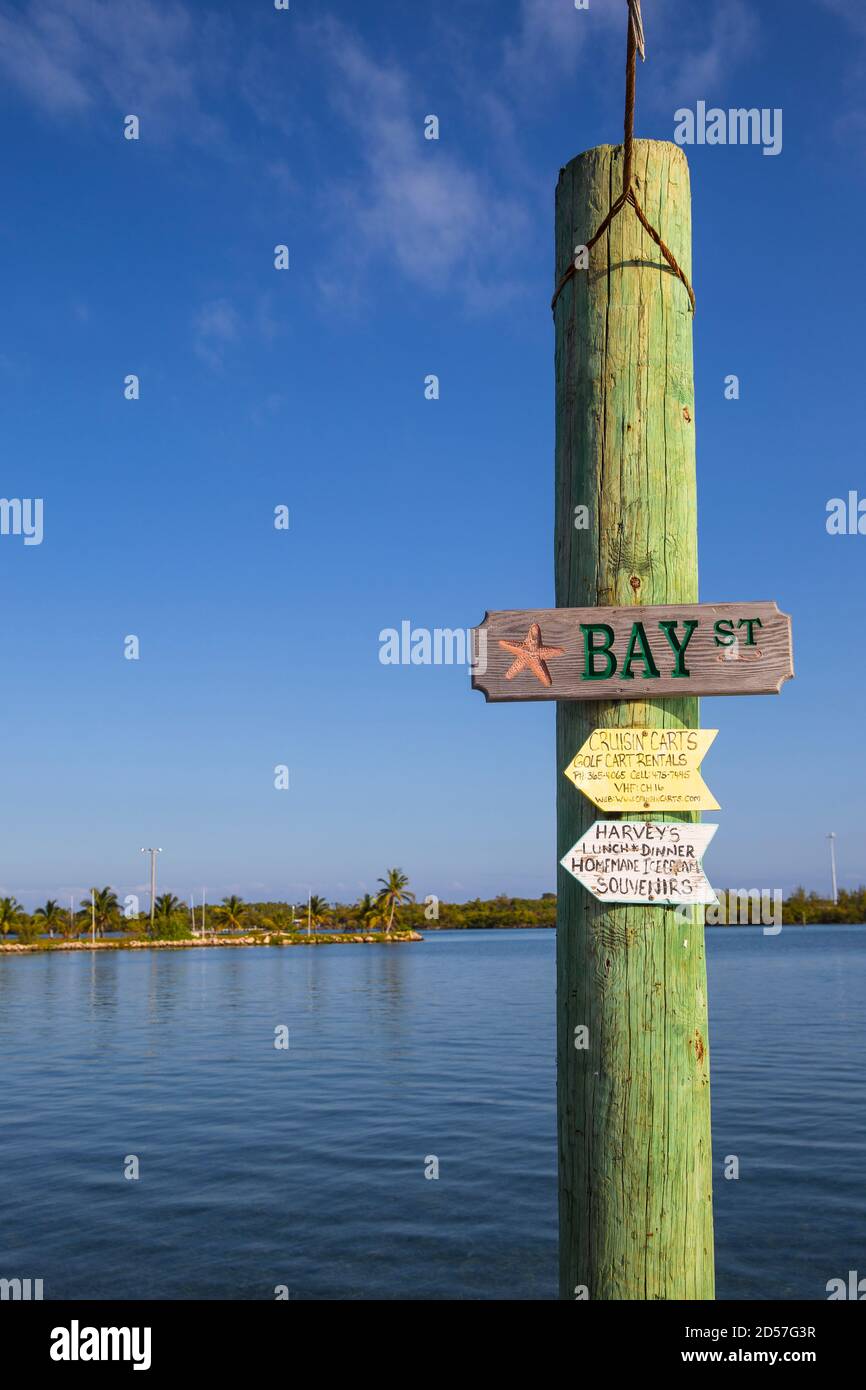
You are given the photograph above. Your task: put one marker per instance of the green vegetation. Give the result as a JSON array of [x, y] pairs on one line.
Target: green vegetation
[[28, 930], [11, 913], [231, 913], [101, 908], [393, 908], [165, 909], [172, 920], [50, 918], [803, 908], [170, 929], [369, 913], [395, 893], [501, 911], [318, 912]]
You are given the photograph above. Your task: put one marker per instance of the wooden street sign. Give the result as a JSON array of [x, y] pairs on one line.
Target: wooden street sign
[[621, 861], [644, 769], [632, 653]]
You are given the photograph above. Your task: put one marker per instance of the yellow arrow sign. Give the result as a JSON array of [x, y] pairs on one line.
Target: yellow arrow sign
[[644, 769]]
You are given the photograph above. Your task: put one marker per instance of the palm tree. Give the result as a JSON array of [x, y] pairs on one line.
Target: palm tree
[[395, 892], [369, 912], [231, 912], [165, 907], [71, 926], [10, 914], [317, 912], [51, 916], [28, 929], [107, 908]]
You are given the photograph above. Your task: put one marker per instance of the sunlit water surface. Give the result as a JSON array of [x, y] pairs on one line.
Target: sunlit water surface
[[305, 1167]]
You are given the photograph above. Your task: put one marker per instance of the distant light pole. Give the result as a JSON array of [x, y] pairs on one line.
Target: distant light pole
[[309, 889], [93, 916], [153, 853], [832, 838]]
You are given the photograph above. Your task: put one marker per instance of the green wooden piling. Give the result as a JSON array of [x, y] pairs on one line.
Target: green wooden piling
[[635, 1179]]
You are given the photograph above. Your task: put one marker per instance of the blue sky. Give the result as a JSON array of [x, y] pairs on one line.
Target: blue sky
[[306, 388]]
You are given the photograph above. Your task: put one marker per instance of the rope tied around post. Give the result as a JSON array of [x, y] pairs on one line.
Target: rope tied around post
[[636, 44]]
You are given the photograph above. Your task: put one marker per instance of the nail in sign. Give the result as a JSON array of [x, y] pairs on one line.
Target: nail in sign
[[644, 769], [621, 861]]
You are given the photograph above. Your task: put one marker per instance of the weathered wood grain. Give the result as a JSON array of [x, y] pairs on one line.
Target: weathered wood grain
[[749, 654], [621, 861], [634, 1108]]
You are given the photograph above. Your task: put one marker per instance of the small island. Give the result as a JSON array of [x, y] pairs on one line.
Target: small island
[[102, 923]]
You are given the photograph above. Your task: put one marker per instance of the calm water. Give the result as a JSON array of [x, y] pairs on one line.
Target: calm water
[[305, 1167]]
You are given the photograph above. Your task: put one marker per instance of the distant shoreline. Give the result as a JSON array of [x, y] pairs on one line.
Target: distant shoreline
[[205, 942], [235, 922], [321, 938], [708, 926]]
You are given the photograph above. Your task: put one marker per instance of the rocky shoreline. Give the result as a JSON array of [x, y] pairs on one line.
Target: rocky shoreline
[[194, 943]]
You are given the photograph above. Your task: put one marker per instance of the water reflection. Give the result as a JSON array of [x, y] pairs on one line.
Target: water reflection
[[307, 1166]]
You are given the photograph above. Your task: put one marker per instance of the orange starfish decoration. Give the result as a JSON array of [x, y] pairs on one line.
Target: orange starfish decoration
[[531, 655]]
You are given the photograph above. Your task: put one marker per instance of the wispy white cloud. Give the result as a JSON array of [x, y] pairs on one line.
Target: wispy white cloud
[[151, 58], [282, 177], [438, 216], [441, 220], [552, 36], [268, 323], [268, 408], [215, 328], [849, 126], [42, 55], [689, 48], [691, 55], [732, 39], [851, 10], [218, 325]]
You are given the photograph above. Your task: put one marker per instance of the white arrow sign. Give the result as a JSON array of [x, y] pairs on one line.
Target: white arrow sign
[[624, 861]]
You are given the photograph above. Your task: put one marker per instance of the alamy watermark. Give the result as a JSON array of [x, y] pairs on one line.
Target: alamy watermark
[[854, 1288], [21, 1290], [77, 1343], [438, 646], [846, 517], [742, 907], [22, 516], [738, 126]]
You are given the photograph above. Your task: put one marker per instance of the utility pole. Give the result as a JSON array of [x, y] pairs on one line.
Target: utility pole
[[93, 916], [832, 838], [633, 1085], [153, 853], [635, 1179]]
